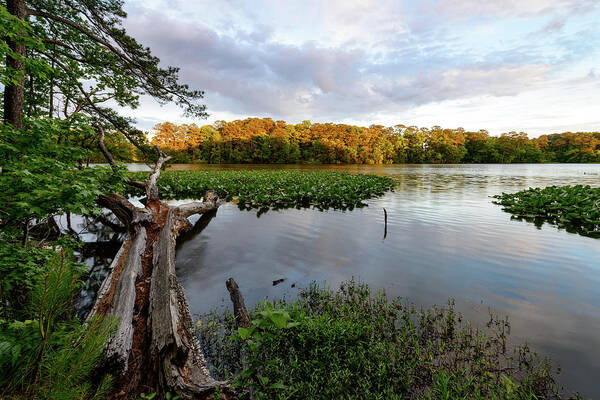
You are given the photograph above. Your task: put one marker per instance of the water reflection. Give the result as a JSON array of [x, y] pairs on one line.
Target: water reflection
[[98, 255], [197, 228], [444, 239], [102, 237]]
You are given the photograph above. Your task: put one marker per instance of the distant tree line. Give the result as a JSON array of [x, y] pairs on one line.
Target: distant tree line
[[256, 140]]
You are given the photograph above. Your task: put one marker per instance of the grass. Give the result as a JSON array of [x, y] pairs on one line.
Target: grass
[[574, 208], [353, 344], [262, 190]]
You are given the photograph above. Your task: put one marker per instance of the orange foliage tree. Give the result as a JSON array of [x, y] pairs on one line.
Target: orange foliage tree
[[262, 140]]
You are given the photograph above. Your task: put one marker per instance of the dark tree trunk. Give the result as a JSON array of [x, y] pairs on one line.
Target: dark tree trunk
[[154, 349], [14, 93]]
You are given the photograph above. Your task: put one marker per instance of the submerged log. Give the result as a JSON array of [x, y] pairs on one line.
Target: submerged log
[[154, 349], [239, 307]]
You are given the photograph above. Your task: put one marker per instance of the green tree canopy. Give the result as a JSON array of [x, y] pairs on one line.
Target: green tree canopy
[[73, 56]]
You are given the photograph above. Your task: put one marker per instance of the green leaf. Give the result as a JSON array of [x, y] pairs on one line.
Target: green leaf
[[278, 385], [292, 324], [243, 333], [263, 379], [279, 319]]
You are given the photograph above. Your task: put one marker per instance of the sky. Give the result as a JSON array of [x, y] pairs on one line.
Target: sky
[[502, 65]]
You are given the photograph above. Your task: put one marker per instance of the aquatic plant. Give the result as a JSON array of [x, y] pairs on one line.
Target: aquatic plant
[[352, 343], [574, 208], [260, 189]]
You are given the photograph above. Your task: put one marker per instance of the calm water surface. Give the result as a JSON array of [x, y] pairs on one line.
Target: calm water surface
[[445, 239]]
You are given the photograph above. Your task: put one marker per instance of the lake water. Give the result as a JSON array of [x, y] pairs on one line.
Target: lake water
[[445, 239]]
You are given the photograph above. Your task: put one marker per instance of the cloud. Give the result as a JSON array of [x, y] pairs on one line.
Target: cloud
[[517, 8], [463, 83], [555, 25], [374, 61]]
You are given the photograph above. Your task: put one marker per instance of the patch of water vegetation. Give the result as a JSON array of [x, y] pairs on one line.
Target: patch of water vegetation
[[260, 189], [354, 344], [574, 208]]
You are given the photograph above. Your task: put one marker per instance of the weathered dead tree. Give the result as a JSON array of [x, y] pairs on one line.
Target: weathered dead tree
[[239, 307], [154, 348]]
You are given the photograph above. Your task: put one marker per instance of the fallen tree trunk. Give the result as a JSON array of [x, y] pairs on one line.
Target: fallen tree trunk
[[154, 349]]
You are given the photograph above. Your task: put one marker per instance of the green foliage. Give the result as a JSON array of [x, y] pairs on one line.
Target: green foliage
[[20, 32], [574, 208], [20, 270], [49, 354], [262, 189], [457, 385], [42, 177], [85, 42], [353, 344], [45, 352], [148, 396], [264, 330]]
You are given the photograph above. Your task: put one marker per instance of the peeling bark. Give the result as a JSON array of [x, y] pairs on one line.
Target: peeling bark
[[154, 349], [117, 349]]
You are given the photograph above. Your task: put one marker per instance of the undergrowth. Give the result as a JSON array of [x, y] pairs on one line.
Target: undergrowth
[[45, 351], [354, 344]]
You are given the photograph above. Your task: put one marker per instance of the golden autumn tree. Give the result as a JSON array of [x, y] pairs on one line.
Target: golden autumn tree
[[176, 137], [263, 140]]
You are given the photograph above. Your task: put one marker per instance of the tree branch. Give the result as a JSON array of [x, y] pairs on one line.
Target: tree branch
[[123, 209], [122, 55], [103, 148], [151, 187], [110, 158], [93, 105], [210, 202], [81, 29], [57, 42]]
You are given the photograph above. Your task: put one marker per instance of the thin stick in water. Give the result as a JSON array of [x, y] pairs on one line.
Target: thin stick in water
[[385, 219]]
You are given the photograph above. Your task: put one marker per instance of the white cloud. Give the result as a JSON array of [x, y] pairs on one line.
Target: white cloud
[[523, 8], [383, 62]]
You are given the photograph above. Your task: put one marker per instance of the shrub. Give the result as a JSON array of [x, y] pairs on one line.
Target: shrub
[[41, 177], [20, 270], [352, 344], [50, 354]]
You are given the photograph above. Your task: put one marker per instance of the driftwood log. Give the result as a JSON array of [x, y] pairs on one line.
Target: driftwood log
[[154, 349]]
